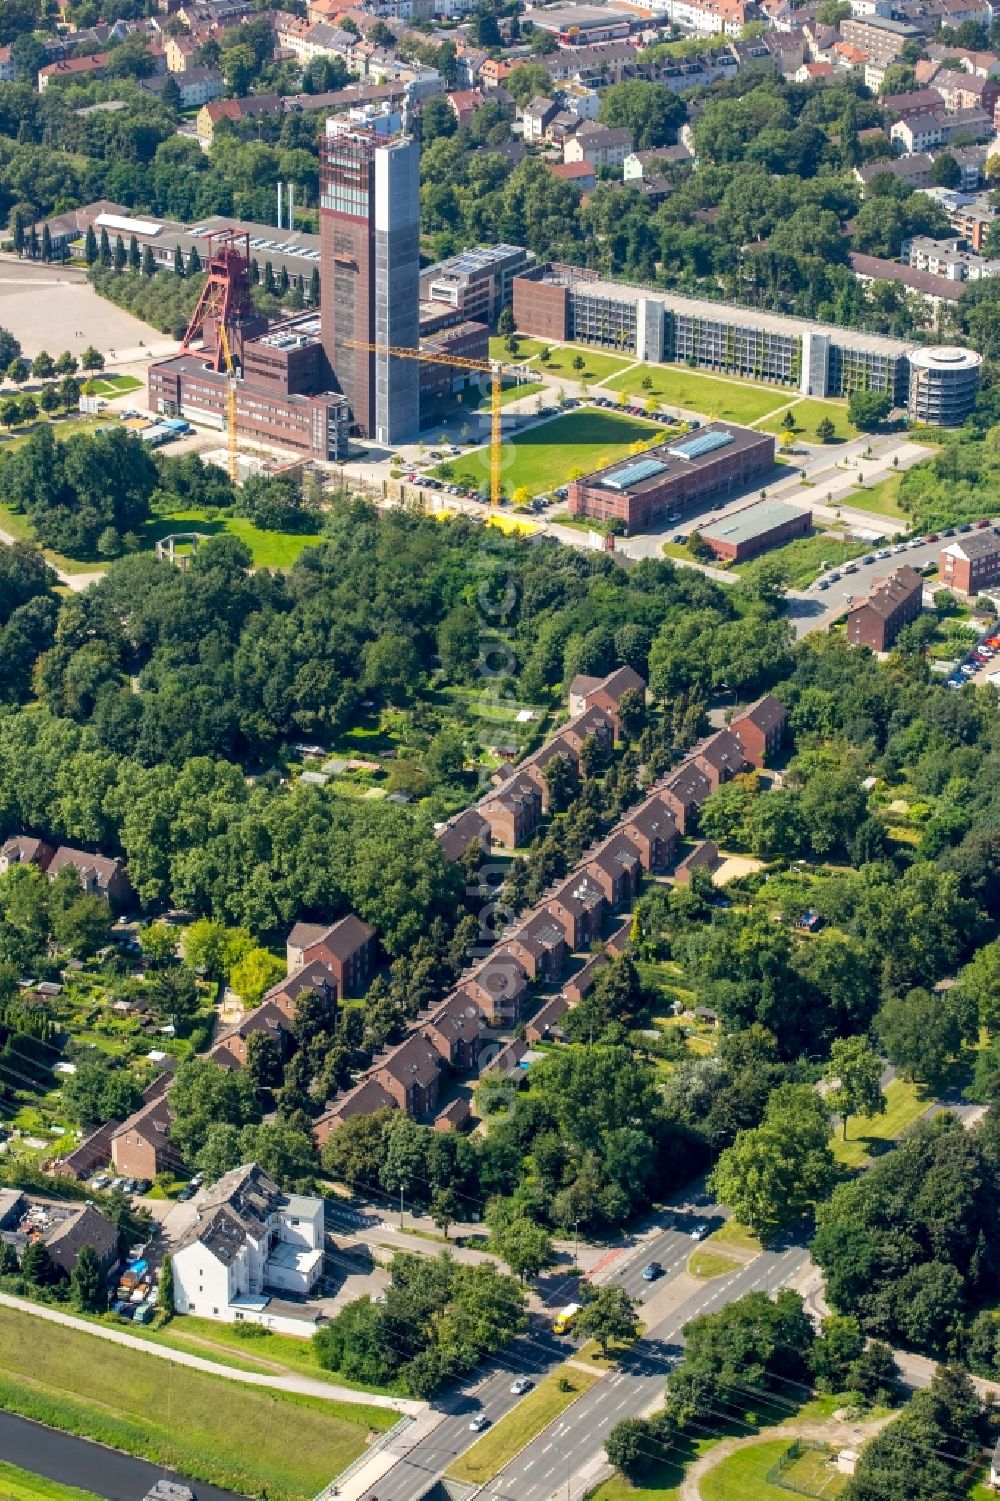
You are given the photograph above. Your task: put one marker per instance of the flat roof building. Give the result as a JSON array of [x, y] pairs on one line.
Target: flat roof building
[[722, 459], [755, 529], [571, 304]]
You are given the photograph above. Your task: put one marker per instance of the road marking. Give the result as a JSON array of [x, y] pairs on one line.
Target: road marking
[[529, 1464], [547, 1448]]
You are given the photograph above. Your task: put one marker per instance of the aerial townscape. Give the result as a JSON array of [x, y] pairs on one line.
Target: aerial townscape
[[499, 750]]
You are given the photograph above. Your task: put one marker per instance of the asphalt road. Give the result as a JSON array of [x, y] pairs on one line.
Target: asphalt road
[[566, 1447], [562, 1450], [815, 609], [535, 1353]]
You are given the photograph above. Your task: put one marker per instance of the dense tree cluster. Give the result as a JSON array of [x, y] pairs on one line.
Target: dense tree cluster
[[926, 1453], [73, 491], [910, 1246], [438, 1319]]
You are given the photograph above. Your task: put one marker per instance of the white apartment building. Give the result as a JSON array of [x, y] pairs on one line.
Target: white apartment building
[[250, 1242]]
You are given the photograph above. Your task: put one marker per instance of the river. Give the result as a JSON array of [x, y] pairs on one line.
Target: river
[[91, 1467]]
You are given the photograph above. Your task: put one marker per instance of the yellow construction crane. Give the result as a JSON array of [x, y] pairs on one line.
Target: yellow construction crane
[[230, 401], [493, 368]]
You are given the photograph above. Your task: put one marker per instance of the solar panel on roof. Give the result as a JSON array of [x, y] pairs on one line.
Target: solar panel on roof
[[635, 473], [695, 448]]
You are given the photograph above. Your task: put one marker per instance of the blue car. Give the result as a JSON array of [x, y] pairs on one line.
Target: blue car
[[651, 1272]]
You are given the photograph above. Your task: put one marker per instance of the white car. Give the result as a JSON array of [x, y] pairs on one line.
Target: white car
[[479, 1422], [520, 1386]]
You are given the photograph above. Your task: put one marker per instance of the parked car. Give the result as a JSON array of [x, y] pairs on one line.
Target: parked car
[[966, 526], [869, 557], [983, 523], [822, 584], [883, 552], [949, 531], [833, 578], [850, 567]]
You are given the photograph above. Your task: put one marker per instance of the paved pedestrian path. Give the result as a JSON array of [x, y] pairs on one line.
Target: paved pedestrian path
[[292, 1383]]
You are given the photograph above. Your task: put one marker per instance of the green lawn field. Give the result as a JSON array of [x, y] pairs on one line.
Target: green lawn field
[[882, 499], [662, 1481], [277, 1354], [597, 366], [176, 1417], [808, 414], [22, 1485], [526, 349], [867, 1135], [744, 1474], [730, 400], [547, 455], [19, 527], [269, 549]]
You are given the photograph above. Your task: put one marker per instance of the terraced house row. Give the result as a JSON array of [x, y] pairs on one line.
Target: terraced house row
[[583, 910], [534, 953]]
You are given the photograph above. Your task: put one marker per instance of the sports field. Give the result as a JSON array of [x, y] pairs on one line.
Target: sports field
[[551, 453], [716, 398]]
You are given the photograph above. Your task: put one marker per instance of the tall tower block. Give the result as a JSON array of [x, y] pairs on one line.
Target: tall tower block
[[370, 249]]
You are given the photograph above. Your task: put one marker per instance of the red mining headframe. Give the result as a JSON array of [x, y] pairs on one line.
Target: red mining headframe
[[225, 297]]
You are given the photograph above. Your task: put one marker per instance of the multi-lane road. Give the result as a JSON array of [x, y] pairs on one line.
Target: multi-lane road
[[563, 1452], [559, 1459]]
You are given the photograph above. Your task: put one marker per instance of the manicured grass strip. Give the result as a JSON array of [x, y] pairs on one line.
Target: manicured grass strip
[[867, 1135], [550, 453], [882, 499], [597, 366], [745, 1474], [732, 1233], [21, 1485], [181, 1418], [524, 1422], [808, 414], [731, 400], [707, 1263]]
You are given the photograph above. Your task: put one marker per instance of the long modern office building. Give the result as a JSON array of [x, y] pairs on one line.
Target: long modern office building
[[370, 252], [569, 303]]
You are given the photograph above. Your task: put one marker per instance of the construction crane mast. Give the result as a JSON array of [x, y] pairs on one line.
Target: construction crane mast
[[230, 402], [493, 368]]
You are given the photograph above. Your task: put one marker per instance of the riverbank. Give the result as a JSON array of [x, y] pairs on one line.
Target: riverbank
[[241, 1439], [83, 1466]]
